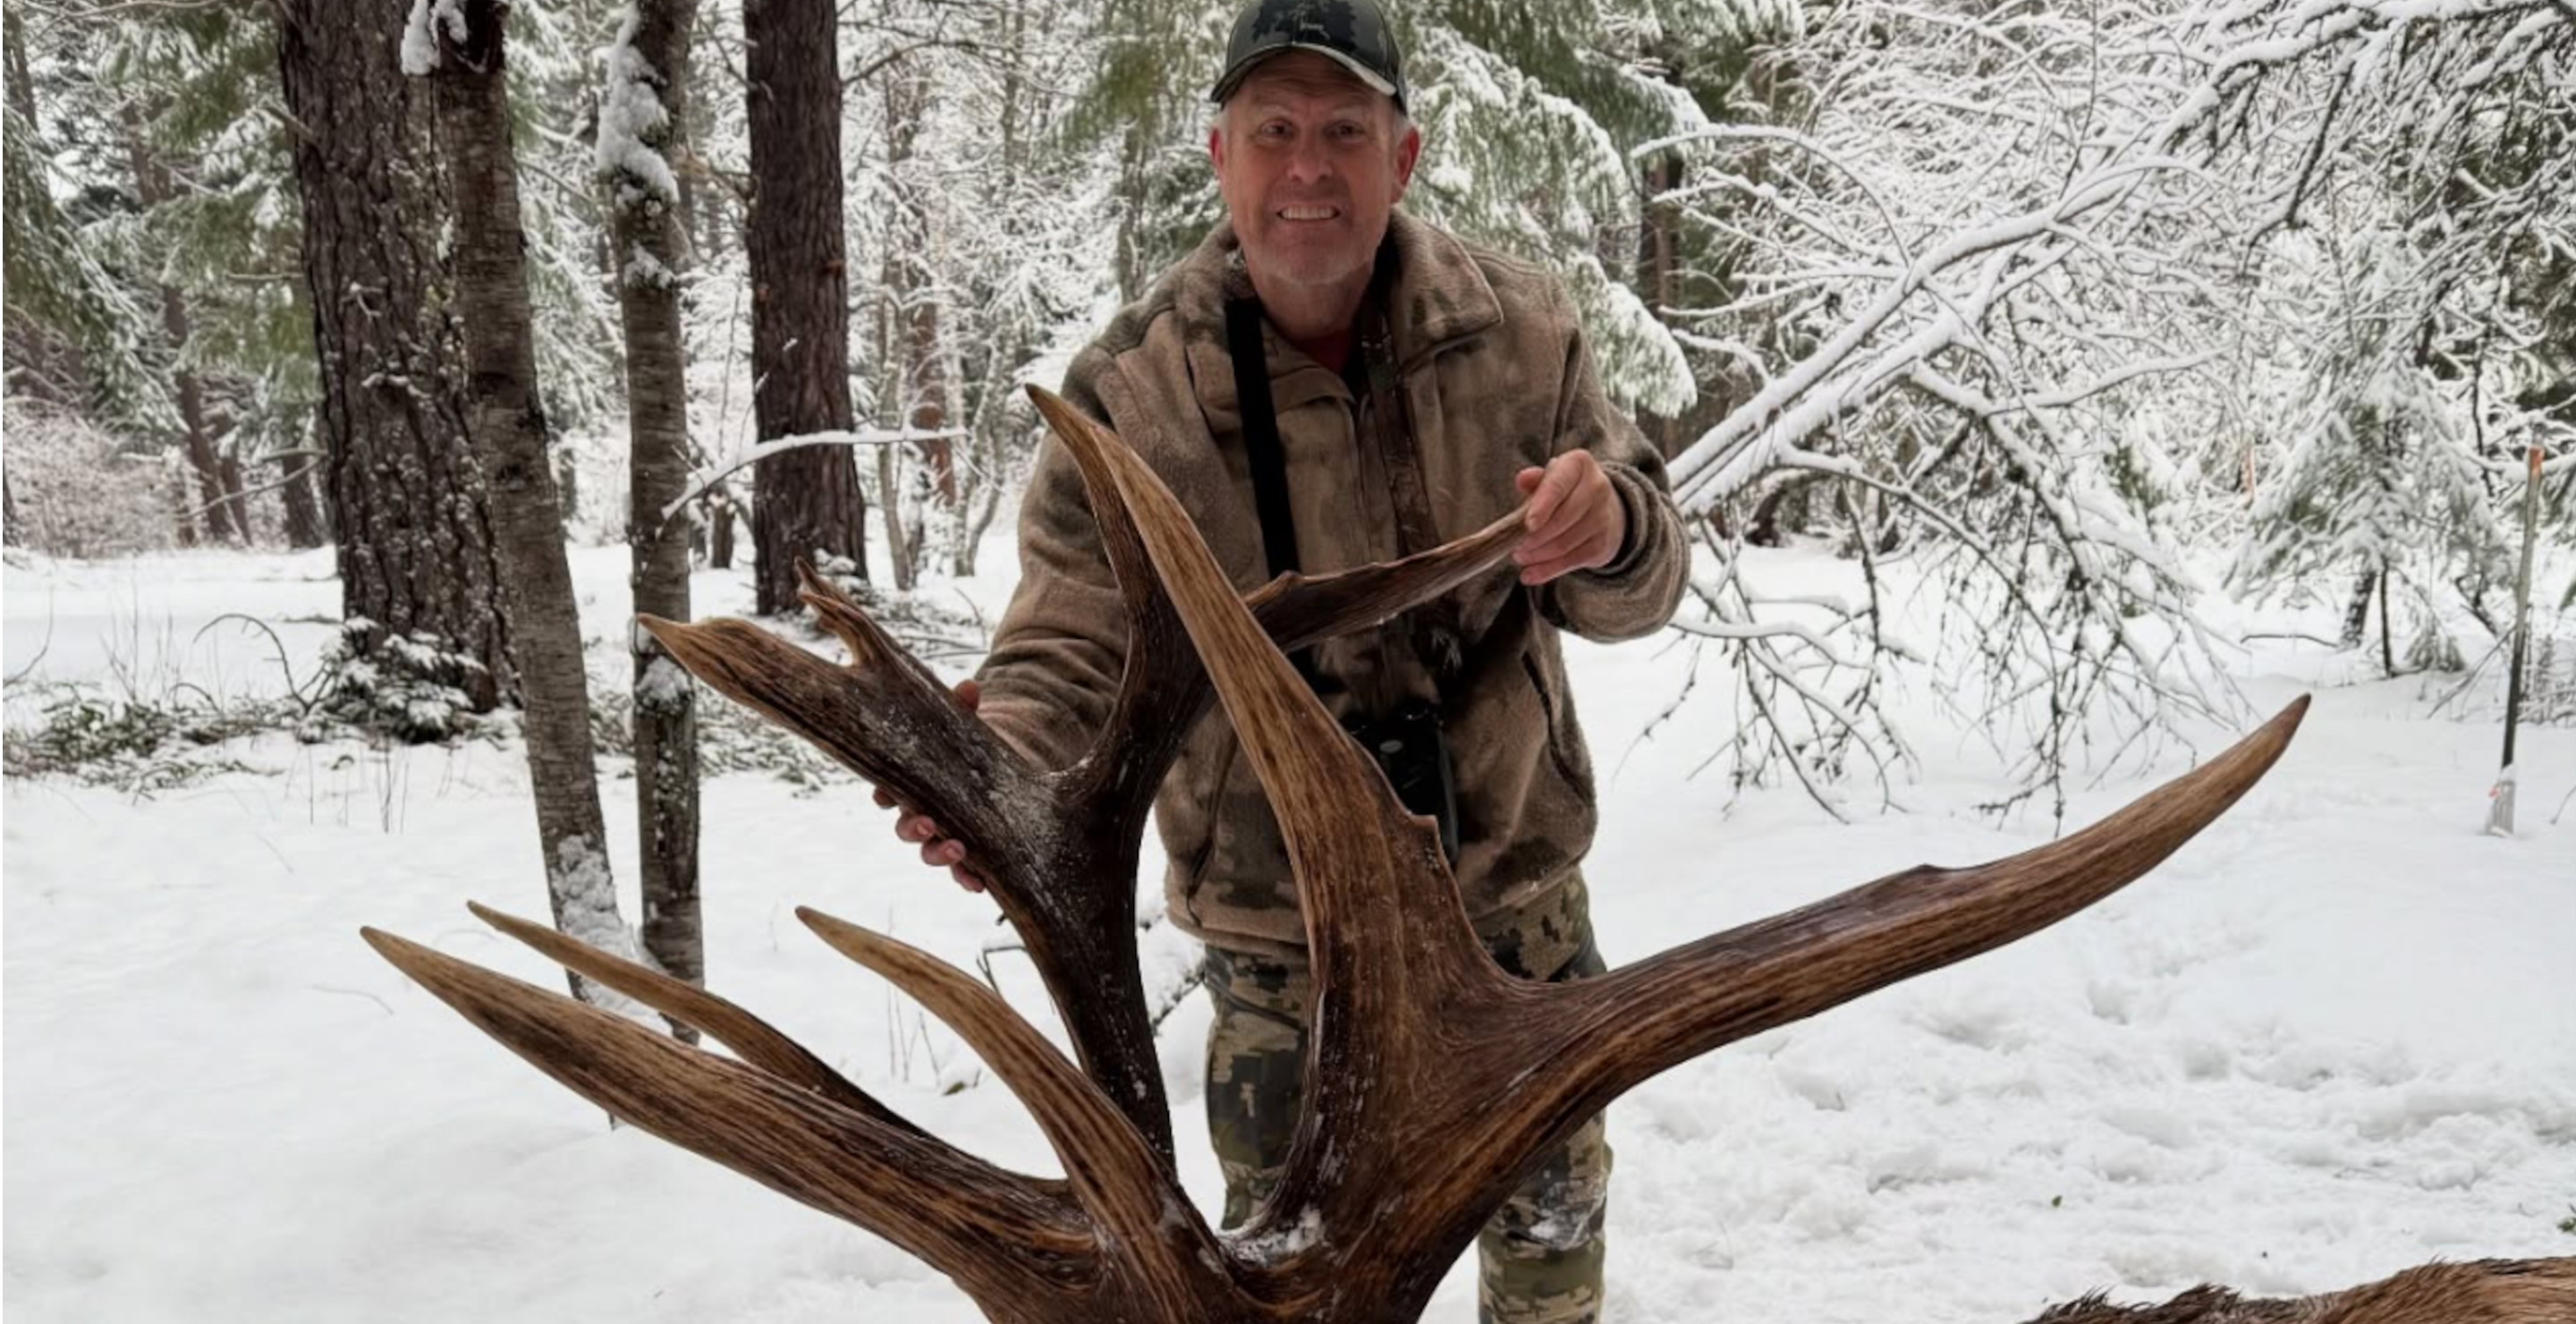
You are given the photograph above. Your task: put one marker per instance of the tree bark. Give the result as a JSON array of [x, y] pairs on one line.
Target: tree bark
[[806, 502], [406, 493], [508, 424], [650, 252]]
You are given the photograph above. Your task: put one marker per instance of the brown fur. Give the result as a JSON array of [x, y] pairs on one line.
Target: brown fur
[[2479, 1292]]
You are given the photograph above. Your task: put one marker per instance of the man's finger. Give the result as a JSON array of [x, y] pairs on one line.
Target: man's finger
[[884, 801], [965, 879], [969, 695], [1583, 516], [1556, 539], [1562, 474], [1583, 556]]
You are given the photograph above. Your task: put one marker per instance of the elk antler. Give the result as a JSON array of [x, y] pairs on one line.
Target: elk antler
[[1434, 1077]]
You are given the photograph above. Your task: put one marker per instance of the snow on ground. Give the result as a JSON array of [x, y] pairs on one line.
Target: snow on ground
[[2333, 1037]]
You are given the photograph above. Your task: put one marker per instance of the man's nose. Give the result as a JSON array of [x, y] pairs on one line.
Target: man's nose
[[1309, 162]]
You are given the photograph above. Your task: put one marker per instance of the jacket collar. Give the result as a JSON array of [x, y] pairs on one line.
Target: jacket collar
[[1439, 296]]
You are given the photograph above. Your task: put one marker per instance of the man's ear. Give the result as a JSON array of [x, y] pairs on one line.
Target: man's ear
[[1216, 146], [1406, 153]]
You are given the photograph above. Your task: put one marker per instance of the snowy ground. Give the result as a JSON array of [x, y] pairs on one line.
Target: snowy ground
[[2335, 1036]]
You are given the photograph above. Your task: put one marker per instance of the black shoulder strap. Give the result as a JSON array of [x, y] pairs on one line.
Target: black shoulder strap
[[1267, 458], [1261, 433]]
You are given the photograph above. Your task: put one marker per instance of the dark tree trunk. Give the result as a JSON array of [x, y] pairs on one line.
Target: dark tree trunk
[[508, 424], [2356, 612], [721, 512], [406, 493], [1658, 275], [303, 514], [805, 502], [9, 531], [219, 519], [648, 224]]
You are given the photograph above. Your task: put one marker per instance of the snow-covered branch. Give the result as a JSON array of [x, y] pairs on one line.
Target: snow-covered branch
[[703, 481]]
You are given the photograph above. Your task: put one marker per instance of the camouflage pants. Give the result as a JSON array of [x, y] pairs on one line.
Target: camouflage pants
[[1540, 1258]]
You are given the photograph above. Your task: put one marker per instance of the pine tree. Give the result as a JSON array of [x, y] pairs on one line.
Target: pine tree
[[418, 568], [806, 502]]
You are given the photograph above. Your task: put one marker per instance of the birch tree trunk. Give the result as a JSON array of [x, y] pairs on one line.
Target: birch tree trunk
[[406, 493], [805, 502], [644, 105], [471, 83]]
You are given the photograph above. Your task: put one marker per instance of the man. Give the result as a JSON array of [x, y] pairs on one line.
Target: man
[[1478, 393]]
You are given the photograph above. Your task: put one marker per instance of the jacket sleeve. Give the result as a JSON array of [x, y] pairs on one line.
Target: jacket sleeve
[[1635, 593], [1053, 672]]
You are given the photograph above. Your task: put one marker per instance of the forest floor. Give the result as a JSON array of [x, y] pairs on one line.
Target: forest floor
[[2333, 1037]]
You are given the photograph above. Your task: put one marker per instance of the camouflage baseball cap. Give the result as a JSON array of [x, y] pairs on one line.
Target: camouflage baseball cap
[[1353, 32]]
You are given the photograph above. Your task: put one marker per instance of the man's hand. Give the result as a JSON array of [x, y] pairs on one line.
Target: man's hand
[[936, 850], [1576, 519]]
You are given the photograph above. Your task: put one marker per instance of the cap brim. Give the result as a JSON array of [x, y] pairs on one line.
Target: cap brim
[[1234, 77]]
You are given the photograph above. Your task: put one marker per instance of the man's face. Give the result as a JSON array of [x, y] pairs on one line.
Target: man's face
[[1311, 162]]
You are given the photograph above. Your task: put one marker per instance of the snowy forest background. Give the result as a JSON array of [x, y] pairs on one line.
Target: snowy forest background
[[2050, 387]]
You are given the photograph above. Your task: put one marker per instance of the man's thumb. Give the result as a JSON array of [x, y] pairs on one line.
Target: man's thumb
[[969, 694]]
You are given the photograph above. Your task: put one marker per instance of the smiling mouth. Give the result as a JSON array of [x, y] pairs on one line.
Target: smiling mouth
[[1309, 213]]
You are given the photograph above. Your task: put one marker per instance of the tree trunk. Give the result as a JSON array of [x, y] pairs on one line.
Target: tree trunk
[[183, 518], [228, 467], [2387, 629], [471, 83], [2356, 612], [220, 521], [806, 502], [651, 61], [721, 510], [1658, 274], [406, 493], [898, 537], [303, 514]]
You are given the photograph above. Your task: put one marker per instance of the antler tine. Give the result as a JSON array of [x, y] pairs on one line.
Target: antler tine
[[754, 1040], [1641, 1019], [1064, 880], [1002, 1237], [1114, 1171], [1298, 610], [868, 643]]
